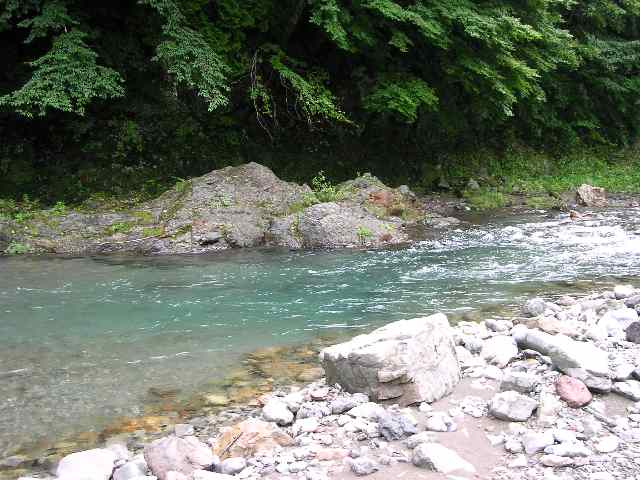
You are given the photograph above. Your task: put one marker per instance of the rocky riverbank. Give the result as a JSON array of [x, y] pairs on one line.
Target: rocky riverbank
[[552, 393], [249, 206]]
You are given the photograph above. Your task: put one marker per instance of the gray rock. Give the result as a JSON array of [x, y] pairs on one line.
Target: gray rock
[[440, 422], [512, 406], [96, 464], [345, 403], [369, 410], [513, 446], [233, 465], [183, 455], [607, 444], [499, 350], [520, 382], [629, 389], [313, 410], [623, 372], [338, 225], [409, 361], [615, 322], [623, 291], [423, 437], [573, 449], [183, 430], [535, 442], [590, 196], [438, 458], [395, 426], [363, 466], [130, 470], [534, 307], [277, 411], [633, 333], [632, 302], [556, 461], [581, 360]]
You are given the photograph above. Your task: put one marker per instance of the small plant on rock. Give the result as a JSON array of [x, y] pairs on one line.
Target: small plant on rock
[[364, 234]]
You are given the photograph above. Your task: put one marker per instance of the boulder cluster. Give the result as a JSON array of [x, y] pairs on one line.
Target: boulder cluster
[[553, 393]]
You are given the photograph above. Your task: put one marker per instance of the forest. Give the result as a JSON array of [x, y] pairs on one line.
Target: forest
[[131, 96]]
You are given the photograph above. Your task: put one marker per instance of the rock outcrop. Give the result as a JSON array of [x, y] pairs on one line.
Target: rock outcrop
[[234, 207], [406, 362]]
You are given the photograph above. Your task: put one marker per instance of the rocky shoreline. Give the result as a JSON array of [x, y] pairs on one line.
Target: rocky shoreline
[[249, 206], [552, 393]]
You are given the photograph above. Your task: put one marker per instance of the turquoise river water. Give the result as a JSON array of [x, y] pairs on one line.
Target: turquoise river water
[[82, 340]]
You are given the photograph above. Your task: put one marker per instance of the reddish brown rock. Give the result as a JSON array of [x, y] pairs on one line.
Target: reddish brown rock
[[573, 391]]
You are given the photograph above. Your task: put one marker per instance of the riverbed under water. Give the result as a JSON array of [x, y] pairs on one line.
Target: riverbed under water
[[83, 340]]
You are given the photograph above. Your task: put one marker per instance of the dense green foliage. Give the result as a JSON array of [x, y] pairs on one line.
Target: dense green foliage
[[120, 95]]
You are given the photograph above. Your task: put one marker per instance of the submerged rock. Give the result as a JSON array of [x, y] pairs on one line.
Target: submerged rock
[[409, 361]]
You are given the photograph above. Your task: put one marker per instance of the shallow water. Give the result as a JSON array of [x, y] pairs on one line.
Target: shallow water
[[83, 340]]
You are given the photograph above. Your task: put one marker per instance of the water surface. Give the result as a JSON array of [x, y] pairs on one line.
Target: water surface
[[83, 340]]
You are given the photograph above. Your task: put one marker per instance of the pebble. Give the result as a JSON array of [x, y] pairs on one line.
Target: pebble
[[535, 442], [233, 465], [362, 466], [608, 444]]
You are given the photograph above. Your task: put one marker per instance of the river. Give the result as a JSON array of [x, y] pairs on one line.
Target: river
[[83, 340]]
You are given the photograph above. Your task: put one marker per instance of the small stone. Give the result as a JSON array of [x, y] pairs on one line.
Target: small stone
[[548, 409], [395, 427], [499, 350], [623, 291], [362, 466], [573, 391], [534, 307], [573, 449], [623, 372], [555, 461], [436, 457], [520, 382], [277, 411], [233, 465], [512, 406], [367, 410], [423, 437], [513, 446], [519, 462], [633, 332], [320, 394], [183, 430], [629, 389], [131, 470], [608, 444], [535, 442], [440, 422], [343, 403]]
